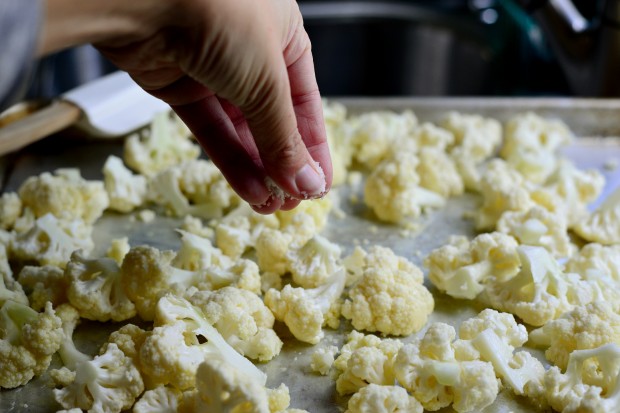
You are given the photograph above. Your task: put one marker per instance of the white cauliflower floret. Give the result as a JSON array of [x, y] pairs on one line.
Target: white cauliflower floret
[[393, 190], [539, 227], [595, 259], [10, 209], [43, 284], [27, 342], [438, 173], [372, 134], [239, 230], [383, 399], [586, 387], [119, 247], [197, 253], [166, 144], [540, 291], [51, 241], [305, 311], [242, 319], [493, 337], [475, 137], [317, 209], [314, 262], [390, 297], [602, 225], [65, 194], [573, 189], [502, 189], [429, 369], [195, 225], [126, 191], [428, 135], [182, 338], [323, 359], [272, 248], [109, 383], [95, 289], [9, 288], [531, 144], [340, 149], [162, 399], [462, 268], [355, 263], [586, 327]]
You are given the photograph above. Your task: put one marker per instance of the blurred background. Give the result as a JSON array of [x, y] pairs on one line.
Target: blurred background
[[434, 48]]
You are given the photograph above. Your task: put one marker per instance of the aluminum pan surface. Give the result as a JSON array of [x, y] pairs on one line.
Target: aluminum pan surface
[[590, 119]]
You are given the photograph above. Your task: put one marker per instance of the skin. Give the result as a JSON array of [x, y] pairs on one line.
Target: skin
[[239, 73]]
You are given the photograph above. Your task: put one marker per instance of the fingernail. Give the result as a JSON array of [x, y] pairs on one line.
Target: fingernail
[[310, 181]]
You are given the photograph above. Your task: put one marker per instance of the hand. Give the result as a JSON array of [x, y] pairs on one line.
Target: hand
[[240, 74]]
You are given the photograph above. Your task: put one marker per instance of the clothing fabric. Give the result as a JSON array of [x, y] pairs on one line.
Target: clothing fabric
[[20, 22]]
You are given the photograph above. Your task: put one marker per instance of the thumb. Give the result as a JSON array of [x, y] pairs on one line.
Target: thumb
[[271, 117]]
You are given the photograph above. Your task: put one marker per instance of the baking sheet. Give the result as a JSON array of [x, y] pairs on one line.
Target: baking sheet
[[590, 119]]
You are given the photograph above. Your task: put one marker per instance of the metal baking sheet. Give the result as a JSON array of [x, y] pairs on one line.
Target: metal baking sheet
[[596, 122]]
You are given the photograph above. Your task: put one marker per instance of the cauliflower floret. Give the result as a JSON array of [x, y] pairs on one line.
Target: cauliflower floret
[[368, 365], [166, 144], [502, 189], [242, 319], [587, 327], [65, 195], [538, 226], [383, 399], [239, 230], [126, 191], [595, 259], [323, 359], [540, 291], [493, 337], [428, 368], [602, 225], [10, 209], [119, 247], [475, 137], [317, 209], [109, 383], [372, 134], [428, 135], [43, 284], [438, 173], [162, 399], [314, 262], [9, 288], [197, 253], [27, 342], [390, 297], [195, 226], [272, 248], [340, 149], [531, 144], [305, 311], [586, 387], [393, 190], [355, 263], [461, 268], [129, 339], [51, 241], [95, 289]]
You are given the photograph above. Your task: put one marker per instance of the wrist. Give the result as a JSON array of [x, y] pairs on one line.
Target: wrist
[[69, 23]]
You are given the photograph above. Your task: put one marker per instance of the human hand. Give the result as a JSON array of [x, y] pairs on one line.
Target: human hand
[[240, 75]]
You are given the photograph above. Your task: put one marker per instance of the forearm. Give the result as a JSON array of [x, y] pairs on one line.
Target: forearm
[[68, 23]]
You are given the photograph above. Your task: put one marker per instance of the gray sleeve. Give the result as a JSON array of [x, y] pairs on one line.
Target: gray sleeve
[[19, 28]]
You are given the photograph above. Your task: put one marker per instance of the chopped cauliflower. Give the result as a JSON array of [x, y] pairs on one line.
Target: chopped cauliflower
[[540, 291], [65, 194], [166, 144], [314, 262], [323, 359], [126, 191], [242, 319], [393, 190], [585, 327], [502, 189], [531, 144], [162, 399], [317, 209], [305, 311], [10, 209], [428, 135], [596, 259], [438, 173], [119, 247], [9, 288], [390, 297], [383, 399], [586, 387], [429, 368], [368, 365], [462, 268], [272, 247], [340, 149], [95, 289], [539, 227], [42, 284], [28, 340], [51, 241], [602, 225], [475, 137]]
